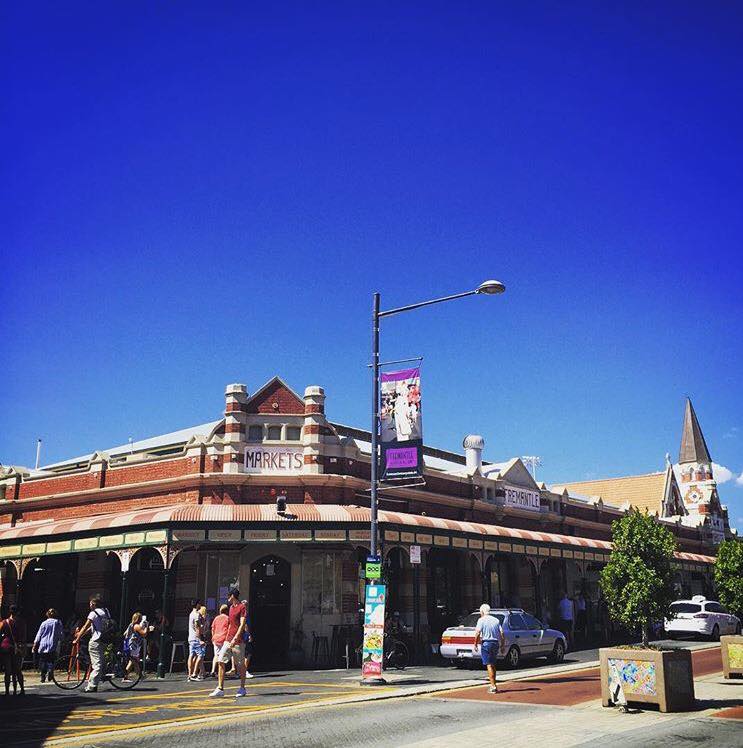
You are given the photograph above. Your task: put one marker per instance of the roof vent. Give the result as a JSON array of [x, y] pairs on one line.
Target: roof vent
[[473, 445]]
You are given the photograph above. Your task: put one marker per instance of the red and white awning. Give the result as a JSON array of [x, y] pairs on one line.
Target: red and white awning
[[316, 514]]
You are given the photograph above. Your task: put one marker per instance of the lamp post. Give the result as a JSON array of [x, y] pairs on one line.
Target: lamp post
[[489, 288]]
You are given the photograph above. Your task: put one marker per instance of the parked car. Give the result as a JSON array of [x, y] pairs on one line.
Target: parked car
[[526, 637], [700, 617]]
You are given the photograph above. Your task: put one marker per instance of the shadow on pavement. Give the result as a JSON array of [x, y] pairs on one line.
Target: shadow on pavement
[[30, 720]]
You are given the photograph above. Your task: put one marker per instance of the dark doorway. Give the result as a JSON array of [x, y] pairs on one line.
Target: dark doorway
[[269, 610]]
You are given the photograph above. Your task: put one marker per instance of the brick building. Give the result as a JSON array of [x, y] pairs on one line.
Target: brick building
[[274, 497]]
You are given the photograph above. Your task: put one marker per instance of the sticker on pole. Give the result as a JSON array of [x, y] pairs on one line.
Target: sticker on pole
[[373, 567], [373, 647]]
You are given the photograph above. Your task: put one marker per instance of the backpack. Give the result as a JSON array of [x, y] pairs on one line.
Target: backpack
[[108, 627]]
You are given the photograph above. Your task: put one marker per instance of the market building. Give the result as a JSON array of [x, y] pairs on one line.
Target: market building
[[274, 497]]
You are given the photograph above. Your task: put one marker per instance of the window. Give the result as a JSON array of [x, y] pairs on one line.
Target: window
[[471, 620], [531, 622], [322, 583], [714, 608], [255, 433], [293, 433], [516, 622], [686, 608], [274, 433]]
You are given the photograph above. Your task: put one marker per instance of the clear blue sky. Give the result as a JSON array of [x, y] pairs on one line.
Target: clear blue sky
[[200, 193]]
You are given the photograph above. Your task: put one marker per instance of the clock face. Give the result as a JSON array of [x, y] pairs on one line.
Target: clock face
[[693, 496]]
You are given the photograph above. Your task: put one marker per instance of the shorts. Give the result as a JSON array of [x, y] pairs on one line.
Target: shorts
[[248, 649], [489, 652], [196, 648], [226, 653]]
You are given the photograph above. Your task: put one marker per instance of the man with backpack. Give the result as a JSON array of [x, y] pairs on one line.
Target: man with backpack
[[102, 628]]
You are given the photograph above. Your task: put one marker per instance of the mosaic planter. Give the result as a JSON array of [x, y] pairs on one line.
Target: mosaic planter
[[732, 656], [647, 676]]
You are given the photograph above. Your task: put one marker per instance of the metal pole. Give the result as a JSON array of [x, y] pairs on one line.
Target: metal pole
[[122, 606], [38, 453], [161, 654], [375, 422]]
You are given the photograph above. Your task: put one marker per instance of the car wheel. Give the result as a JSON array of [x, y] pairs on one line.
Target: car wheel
[[558, 653], [716, 633], [513, 658]]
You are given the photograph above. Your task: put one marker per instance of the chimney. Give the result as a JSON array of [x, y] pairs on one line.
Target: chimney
[[473, 445]]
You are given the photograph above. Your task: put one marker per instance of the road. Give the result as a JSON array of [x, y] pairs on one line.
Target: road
[[288, 709]]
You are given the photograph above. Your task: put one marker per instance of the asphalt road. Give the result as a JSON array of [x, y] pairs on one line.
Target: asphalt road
[[439, 723], [46, 712]]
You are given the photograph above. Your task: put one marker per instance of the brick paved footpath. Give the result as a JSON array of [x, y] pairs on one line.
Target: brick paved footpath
[[568, 689]]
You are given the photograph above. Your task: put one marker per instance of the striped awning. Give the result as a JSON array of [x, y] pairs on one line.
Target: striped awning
[[327, 515]]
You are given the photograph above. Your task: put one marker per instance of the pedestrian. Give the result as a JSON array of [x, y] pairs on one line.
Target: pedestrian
[[248, 639], [489, 637], [134, 643], [581, 619], [233, 645], [219, 627], [160, 624], [566, 610], [12, 644], [97, 623], [206, 632], [47, 642], [196, 645]]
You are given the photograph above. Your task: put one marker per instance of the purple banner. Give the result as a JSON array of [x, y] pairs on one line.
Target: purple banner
[[400, 426]]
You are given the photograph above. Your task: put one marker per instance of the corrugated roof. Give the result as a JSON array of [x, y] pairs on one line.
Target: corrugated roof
[[640, 491], [174, 438]]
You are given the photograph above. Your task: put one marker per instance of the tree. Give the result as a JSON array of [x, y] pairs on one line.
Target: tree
[[638, 580], [729, 575]]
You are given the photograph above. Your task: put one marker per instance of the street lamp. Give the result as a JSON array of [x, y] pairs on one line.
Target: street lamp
[[489, 288]]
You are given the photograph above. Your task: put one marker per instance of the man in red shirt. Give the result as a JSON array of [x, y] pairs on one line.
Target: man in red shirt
[[234, 645]]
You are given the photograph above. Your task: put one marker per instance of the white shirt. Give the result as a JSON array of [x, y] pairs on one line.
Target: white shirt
[[96, 618], [566, 609], [193, 620]]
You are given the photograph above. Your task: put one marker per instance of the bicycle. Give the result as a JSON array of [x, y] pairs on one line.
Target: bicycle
[[396, 653], [72, 670]]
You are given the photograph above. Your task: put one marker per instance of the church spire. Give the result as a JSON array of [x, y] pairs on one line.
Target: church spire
[[693, 446]]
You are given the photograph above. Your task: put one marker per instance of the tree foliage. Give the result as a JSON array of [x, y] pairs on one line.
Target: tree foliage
[[729, 575], [637, 582]]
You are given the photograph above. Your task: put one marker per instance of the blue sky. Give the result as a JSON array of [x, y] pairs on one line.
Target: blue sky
[[198, 195]]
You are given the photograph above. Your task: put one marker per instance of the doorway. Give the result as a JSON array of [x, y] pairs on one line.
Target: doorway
[[269, 611]]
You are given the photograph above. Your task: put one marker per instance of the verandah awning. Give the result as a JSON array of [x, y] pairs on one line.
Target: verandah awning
[[193, 523]]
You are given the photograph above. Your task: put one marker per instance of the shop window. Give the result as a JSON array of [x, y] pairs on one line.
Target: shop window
[[274, 433], [322, 583], [293, 433], [255, 433]]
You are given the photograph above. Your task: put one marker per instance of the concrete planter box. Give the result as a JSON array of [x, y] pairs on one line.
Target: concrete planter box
[[648, 676], [732, 656]]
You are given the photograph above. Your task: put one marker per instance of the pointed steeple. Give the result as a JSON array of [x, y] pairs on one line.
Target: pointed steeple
[[693, 446]]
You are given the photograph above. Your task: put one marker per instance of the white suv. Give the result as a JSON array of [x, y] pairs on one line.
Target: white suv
[[700, 617]]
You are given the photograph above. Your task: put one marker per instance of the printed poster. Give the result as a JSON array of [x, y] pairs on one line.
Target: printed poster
[[373, 649], [401, 426]]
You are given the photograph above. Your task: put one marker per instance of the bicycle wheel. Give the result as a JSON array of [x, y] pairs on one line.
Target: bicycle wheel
[[117, 675], [69, 673], [403, 657]]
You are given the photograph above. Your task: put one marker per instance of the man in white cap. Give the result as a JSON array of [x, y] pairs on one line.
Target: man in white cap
[[489, 637]]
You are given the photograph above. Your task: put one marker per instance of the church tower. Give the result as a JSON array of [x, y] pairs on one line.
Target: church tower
[[696, 480]]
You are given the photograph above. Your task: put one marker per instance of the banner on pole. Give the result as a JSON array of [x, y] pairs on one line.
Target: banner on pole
[[373, 649], [401, 426]]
